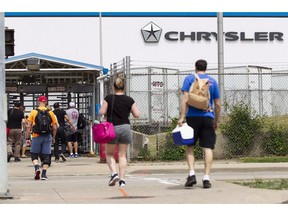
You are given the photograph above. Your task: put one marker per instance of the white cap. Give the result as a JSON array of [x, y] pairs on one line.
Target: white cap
[[72, 104]]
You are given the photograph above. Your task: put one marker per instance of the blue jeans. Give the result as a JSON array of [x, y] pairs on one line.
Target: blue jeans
[[41, 144]]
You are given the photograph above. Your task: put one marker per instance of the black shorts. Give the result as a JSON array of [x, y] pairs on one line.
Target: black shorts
[[73, 137], [204, 131]]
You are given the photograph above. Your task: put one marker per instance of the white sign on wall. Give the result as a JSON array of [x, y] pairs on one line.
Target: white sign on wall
[[183, 39]]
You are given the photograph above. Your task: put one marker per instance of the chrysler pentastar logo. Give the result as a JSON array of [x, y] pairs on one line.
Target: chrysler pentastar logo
[[151, 33]]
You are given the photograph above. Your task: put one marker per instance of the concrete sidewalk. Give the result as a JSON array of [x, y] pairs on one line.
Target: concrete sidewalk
[[84, 180]]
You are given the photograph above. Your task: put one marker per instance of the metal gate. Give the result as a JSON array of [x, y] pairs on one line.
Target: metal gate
[[60, 80]]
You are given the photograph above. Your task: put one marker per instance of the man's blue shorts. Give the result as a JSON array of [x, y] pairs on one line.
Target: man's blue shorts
[[41, 144]]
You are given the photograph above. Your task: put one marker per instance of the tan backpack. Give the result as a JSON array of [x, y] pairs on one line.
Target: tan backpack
[[199, 95]]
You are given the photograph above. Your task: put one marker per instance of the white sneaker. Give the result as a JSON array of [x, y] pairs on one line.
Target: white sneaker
[[122, 183]]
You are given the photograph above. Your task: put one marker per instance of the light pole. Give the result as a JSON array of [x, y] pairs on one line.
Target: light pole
[[220, 39], [4, 192]]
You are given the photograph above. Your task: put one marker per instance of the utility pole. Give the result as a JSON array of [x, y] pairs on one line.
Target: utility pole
[[4, 192], [220, 56], [101, 59]]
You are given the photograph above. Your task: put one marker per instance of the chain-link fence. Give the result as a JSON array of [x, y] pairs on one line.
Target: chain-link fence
[[253, 110]]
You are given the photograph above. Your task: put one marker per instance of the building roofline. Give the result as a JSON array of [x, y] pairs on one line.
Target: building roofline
[[52, 58], [145, 14]]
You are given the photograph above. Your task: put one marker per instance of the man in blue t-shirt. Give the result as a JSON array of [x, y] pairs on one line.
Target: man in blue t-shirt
[[203, 122]]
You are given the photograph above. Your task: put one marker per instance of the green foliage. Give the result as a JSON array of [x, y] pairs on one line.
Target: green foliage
[[240, 129], [174, 123], [276, 184], [276, 140], [274, 159], [144, 154], [176, 153], [198, 152], [171, 152]]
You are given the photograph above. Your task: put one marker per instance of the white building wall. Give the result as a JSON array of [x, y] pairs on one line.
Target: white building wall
[[77, 38]]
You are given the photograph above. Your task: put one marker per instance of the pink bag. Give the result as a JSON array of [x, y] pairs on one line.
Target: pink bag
[[103, 132]]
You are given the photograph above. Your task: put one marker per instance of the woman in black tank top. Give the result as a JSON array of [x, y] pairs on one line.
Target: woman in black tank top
[[117, 108]]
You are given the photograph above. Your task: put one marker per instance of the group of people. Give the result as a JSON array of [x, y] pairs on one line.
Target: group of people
[[117, 108], [22, 130]]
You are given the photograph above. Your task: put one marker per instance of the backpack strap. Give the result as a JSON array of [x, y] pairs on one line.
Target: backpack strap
[[202, 82], [113, 98]]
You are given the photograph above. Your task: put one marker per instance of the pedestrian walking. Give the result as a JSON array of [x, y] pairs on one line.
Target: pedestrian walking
[[63, 120], [117, 108], [204, 122], [14, 123], [72, 139], [25, 125], [44, 126], [23, 137]]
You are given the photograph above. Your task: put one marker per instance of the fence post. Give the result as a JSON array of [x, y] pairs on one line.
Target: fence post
[[128, 79], [260, 91]]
